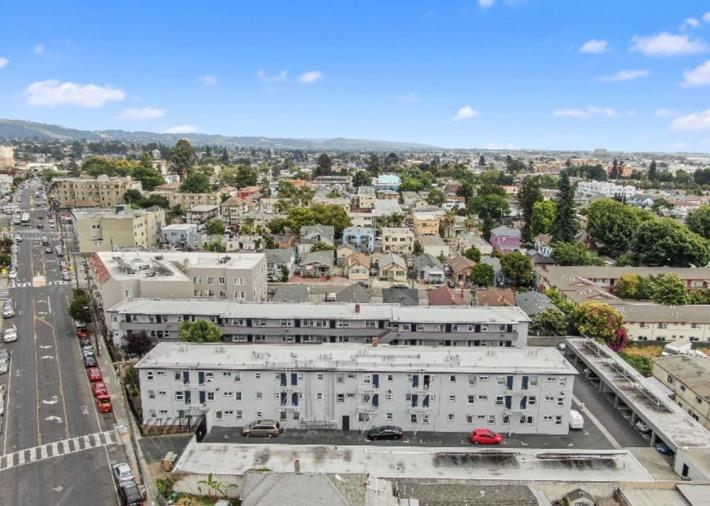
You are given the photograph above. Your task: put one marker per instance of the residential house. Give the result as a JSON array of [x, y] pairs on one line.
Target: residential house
[[398, 240], [180, 235], [468, 240], [361, 219], [343, 252], [392, 267], [426, 223], [313, 234], [505, 239], [279, 263], [445, 296], [233, 208], [357, 267], [293, 293], [202, 213], [498, 277], [494, 297], [533, 303], [286, 240], [402, 295], [317, 264], [365, 197], [460, 268], [355, 293], [362, 239], [388, 182], [434, 246], [658, 322], [543, 245], [428, 269]]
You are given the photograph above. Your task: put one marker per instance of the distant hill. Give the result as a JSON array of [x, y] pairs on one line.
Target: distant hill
[[18, 129]]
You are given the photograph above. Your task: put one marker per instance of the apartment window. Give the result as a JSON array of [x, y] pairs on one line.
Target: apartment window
[[259, 395], [500, 380], [351, 376], [482, 397], [259, 414], [551, 379], [319, 396], [483, 378], [319, 376], [239, 414], [506, 419], [558, 420], [389, 395], [491, 419], [471, 399], [469, 418], [563, 380], [389, 417], [218, 415], [221, 280], [226, 374], [549, 398], [560, 401], [452, 398], [533, 380], [237, 396], [151, 394], [390, 377], [547, 418], [237, 377], [340, 398], [340, 378], [413, 418], [452, 378], [499, 400], [532, 400], [257, 375], [451, 417], [179, 396], [471, 379], [227, 394], [178, 376], [149, 375]]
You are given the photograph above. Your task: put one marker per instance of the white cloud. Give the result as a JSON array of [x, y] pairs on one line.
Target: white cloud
[[594, 46], [587, 112], [665, 113], [51, 92], [136, 113], [694, 122], [410, 98], [484, 4], [692, 22], [38, 49], [699, 76], [263, 76], [209, 80], [706, 17], [466, 112], [624, 75], [679, 145], [311, 77], [4, 62], [667, 44], [182, 129]]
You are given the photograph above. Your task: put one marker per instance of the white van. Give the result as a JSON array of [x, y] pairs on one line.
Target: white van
[[576, 421]]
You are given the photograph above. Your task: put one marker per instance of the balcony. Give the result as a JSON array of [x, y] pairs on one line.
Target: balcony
[[366, 408], [419, 389], [367, 389], [419, 410]]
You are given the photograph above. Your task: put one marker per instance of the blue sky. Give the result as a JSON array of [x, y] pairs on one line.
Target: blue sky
[[562, 74]]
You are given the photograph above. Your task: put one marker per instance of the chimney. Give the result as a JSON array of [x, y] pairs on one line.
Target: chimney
[[357, 308], [375, 342]]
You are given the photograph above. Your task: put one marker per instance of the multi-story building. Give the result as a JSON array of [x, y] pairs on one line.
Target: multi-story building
[[233, 208], [323, 323], [688, 376], [102, 191], [189, 200], [361, 239], [355, 387], [398, 240], [426, 223], [365, 197], [588, 190], [181, 235], [178, 275], [202, 213], [658, 322], [119, 228], [388, 182], [7, 157], [5, 184]]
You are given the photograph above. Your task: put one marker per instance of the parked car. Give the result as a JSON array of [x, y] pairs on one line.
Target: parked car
[[130, 494], [642, 427], [87, 350], [82, 332], [48, 250], [486, 437], [40, 224], [9, 335], [385, 432], [18, 238], [66, 276], [103, 403], [576, 420], [4, 361], [98, 388], [262, 428], [122, 473], [90, 361], [94, 374], [8, 310], [663, 448], [85, 341]]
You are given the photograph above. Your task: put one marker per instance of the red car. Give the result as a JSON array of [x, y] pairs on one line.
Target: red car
[[99, 388], [94, 374], [82, 333], [103, 402], [485, 437]]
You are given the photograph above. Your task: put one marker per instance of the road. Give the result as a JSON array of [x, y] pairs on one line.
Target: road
[[48, 394]]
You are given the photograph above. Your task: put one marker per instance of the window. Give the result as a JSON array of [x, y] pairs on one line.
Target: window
[[413, 418], [451, 417], [500, 380], [452, 378], [178, 376], [549, 398], [257, 375], [237, 376], [452, 398], [259, 414], [237, 396], [149, 375], [210, 396], [319, 396], [179, 396], [319, 376], [389, 417], [227, 394], [151, 394], [532, 400], [482, 397], [239, 414], [558, 420], [499, 400], [560, 401], [469, 418], [210, 280], [221, 280], [506, 419], [533, 380], [471, 399], [390, 377], [491, 419], [483, 378], [389, 395], [340, 398], [547, 418], [259, 395], [551, 379]]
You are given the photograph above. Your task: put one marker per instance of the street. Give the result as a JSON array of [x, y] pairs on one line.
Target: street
[[46, 458]]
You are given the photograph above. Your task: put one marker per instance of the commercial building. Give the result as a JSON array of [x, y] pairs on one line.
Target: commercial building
[[355, 387], [119, 228], [181, 235], [688, 376], [178, 275], [399, 240], [102, 191], [325, 323]]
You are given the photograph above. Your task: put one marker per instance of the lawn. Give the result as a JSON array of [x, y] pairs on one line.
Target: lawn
[[640, 357]]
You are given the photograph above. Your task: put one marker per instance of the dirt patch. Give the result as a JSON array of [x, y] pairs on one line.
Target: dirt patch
[[643, 351]]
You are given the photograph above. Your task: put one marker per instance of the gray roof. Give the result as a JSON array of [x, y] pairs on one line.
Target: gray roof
[[692, 371], [400, 295], [278, 256], [272, 489], [493, 262], [659, 313], [427, 260], [391, 258], [450, 493], [291, 293], [353, 293], [503, 231], [533, 303], [323, 230], [324, 257]]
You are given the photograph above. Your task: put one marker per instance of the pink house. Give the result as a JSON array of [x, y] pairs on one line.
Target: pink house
[[505, 239]]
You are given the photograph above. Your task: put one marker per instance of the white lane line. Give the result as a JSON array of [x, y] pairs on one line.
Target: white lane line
[[595, 421]]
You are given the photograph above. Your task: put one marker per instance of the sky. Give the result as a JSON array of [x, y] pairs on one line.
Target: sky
[[625, 75]]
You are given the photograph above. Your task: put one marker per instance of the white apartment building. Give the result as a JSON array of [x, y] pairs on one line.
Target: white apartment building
[[399, 240], [460, 326], [657, 322], [587, 190], [5, 184], [355, 387]]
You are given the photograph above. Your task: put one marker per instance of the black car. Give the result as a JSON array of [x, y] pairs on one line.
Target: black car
[[129, 493], [40, 224], [385, 432], [90, 361]]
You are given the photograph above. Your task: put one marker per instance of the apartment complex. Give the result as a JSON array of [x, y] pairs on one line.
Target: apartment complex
[[119, 228], [189, 200], [102, 191], [355, 387], [398, 240], [178, 275], [7, 157], [426, 223], [656, 322], [460, 326], [689, 378]]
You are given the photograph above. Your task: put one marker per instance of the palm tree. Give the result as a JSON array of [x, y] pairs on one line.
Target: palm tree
[[470, 223], [214, 485], [447, 221]]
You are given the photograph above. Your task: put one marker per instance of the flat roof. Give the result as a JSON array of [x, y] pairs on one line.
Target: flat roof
[[356, 357], [692, 370], [338, 310], [659, 313], [95, 212]]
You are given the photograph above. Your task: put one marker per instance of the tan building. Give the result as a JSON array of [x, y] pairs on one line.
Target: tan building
[[392, 268], [366, 197], [119, 228], [202, 213], [188, 200], [233, 208], [657, 322], [688, 376], [7, 157], [102, 191], [398, 240], [357, 267], [426, 223], [178, 275]]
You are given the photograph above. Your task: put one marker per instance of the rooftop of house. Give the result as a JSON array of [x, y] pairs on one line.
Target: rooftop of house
[[402, 295], [294, 293], [324, 257], [494, 297], [646, 312], [427, 260], [117, 213], [426, 215], [460, 263], [356, 357], [430, 240], [503, 231], [390, 259], [445, 296], [204, 208], [278, 256], [532, 303], [691, 370]]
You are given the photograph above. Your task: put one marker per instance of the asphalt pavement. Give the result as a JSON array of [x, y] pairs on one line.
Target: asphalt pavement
[[48, 394]]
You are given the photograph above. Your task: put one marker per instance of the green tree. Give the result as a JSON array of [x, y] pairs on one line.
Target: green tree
[[627, 287], [362, 178], [492, 210], [245, 175], [669, 289], [481, 161], [200, 331], [482, 275], [322, 246], [566, 225], [518, 269], [528, 196], [137, 344], [183, 158], [417, 249], [663, 241], [611, 225], [435, 197], [323, 214], [148, 176], [615, 172], [79, 308], [196, 182], [215, 227], [154, 200], [324, 165], [132, 197], [543, 217], [551, 322], [565, 253], [473, 253], [699, 221], [653, 171], [598, 320]]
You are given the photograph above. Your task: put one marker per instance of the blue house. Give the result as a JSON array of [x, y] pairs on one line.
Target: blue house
[[361, 239]]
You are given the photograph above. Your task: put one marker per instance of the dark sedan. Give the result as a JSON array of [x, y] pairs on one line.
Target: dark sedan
[[90, 361], [385, 432]]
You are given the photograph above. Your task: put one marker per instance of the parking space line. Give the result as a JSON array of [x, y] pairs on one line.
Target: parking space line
[[595, 421]]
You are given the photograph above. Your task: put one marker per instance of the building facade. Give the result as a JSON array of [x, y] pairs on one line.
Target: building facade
[[119, 228], [102, 191], [426, 223], [689, 378], [7, 157], [325, 323], [399, 240], [355, 387], [657, 322], [361, 239], [189, 200], [181, 235]]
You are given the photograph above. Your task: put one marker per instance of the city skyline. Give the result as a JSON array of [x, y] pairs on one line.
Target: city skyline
[[506, 74]]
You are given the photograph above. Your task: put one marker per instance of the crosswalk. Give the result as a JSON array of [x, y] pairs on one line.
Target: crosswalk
[[57, 449], [24, 284]]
